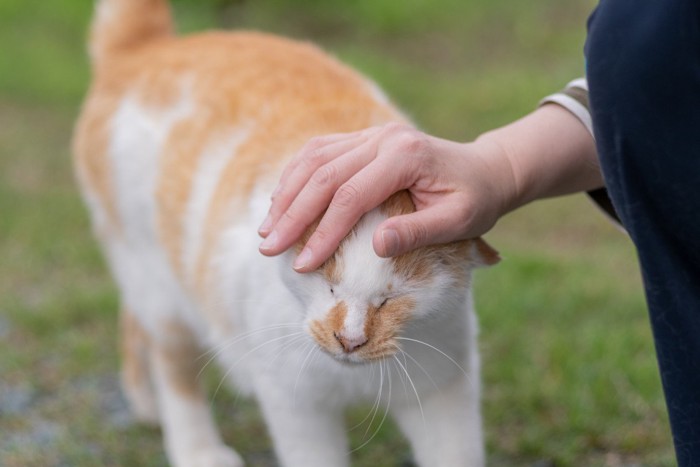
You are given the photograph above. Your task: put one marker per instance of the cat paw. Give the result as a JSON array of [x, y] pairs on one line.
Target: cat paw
[[147, 415], [216, 456]]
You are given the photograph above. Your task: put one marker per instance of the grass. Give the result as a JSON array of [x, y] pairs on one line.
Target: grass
[[569, 371]]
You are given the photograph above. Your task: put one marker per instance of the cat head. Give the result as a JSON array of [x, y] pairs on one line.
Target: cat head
[[357, 303]]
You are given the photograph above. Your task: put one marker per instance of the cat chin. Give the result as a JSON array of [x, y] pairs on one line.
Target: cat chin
[[351, 360]]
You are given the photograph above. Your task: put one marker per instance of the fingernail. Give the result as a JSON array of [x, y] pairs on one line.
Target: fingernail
[[270, 242], [266, 226], [390, 239], [303, 259]]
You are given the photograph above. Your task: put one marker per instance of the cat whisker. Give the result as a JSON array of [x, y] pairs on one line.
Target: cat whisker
[[375, 405], [402, 374], [437, 350], [389, 401], [239, 337], [386, 413], [415, 391], [377, 402], [425, 372], [311, 352], [292, 342], [224, 347], [219, 349], [257, 347]]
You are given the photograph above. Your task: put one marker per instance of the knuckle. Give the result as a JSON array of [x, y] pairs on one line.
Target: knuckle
[[320, 235], [405, 140], [412, 142], [314, 158], [325, 176], [417, 234], [314, 143], [290, 218], [346, 196], [392, 128]]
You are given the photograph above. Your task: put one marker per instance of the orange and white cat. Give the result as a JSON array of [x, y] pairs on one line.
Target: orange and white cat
[[179, 144]]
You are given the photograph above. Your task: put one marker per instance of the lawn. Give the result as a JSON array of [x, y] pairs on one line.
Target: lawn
[[569, 372]]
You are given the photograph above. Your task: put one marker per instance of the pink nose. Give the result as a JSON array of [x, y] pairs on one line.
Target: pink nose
[[350, 344]]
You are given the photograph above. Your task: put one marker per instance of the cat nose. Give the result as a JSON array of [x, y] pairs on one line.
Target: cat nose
[[350, 344]]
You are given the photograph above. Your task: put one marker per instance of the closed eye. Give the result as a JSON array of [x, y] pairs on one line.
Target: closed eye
[[382, 304]]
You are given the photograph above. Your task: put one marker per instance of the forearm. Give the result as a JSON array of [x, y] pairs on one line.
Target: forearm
[[548, 152]]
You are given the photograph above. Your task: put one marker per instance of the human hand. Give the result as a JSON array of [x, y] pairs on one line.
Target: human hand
[[459, 191]]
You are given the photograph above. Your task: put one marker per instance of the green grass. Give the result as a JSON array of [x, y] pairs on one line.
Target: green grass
[[568, 362]]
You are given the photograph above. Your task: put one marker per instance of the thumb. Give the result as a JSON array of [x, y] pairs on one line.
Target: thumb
[[401, 234]]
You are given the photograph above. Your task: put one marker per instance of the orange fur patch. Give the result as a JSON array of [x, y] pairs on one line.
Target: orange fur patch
[[179, 161], [418, 265], [487, 255], [179, 354], [398, 204], [382, 326], [332, 268], [324, 331], [123, 26], [90, 146]]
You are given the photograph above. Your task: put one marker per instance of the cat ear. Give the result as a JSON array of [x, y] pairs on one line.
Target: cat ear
[[483, 254]]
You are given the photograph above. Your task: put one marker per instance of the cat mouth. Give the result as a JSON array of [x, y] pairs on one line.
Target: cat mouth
[[356, 358]]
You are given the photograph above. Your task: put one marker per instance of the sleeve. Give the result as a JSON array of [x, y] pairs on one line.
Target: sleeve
[[574, 98]]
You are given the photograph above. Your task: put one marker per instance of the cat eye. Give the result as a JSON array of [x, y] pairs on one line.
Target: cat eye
[[382, 304], [332, 291]]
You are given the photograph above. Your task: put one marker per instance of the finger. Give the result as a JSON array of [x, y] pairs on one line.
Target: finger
[[295, 181], [433, 225], [315, 154], [314, 198], [305, 157], [314, 144], [368, 189]]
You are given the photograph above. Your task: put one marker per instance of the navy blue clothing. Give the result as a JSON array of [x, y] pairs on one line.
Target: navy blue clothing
[[643, 70]]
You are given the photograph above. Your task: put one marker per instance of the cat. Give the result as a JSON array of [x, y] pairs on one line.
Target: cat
[[179, 143]]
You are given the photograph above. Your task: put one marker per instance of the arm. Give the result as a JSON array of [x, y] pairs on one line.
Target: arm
[[551, 154], [460, 189]]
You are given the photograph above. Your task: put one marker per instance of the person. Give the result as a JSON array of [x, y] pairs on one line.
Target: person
[[643, 75]]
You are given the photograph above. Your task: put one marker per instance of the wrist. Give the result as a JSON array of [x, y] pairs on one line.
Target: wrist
[[508, 184], [548, 153]]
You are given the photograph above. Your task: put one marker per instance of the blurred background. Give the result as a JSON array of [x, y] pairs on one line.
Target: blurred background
[[569, 370]]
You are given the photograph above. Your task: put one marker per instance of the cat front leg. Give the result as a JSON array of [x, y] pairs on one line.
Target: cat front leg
[[190, 434], [304, 435], [135, 369], [447, 431]]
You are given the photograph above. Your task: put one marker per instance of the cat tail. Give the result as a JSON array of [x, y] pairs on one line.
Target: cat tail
[[120, 25]]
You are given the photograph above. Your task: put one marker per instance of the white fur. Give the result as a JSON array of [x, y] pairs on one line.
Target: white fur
[[209, 168], [138, 261]]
